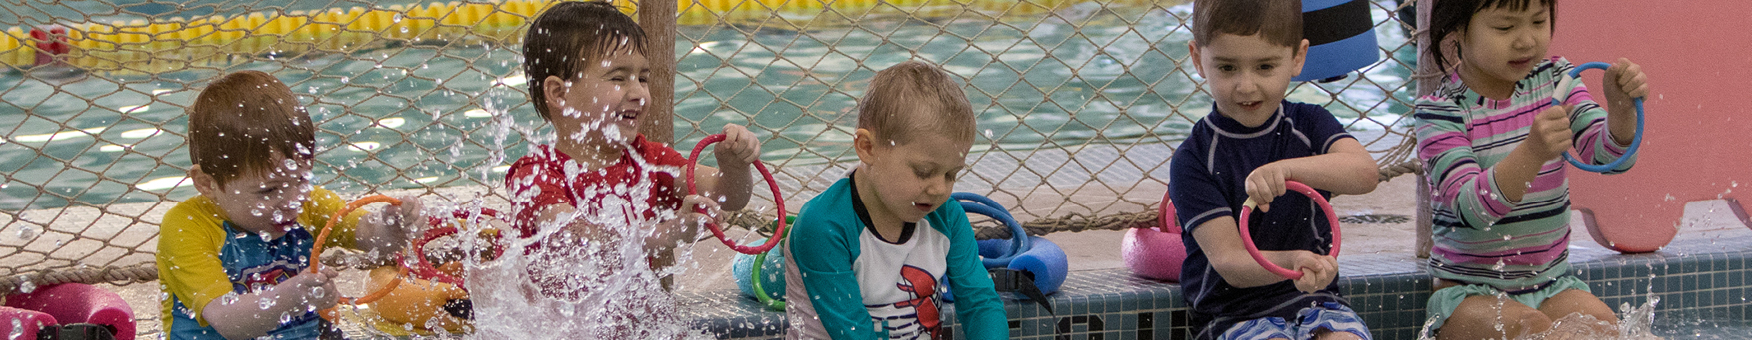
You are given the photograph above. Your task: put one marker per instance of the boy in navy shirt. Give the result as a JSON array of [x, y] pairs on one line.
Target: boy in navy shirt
[[1254, 141]]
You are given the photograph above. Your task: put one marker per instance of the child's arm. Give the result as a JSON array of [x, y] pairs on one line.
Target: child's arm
[[1346, 169], [1208, 216], [382, 232], [824, 254], [977, 305], [1221, 242], [1480, 196], [255, 314], [1603, 135], [684, 228], [1624, 82]]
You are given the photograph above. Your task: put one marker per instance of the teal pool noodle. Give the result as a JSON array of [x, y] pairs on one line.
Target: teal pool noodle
[[772, 273]]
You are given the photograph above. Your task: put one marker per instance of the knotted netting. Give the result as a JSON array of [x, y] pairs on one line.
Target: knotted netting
[[1081, 103]]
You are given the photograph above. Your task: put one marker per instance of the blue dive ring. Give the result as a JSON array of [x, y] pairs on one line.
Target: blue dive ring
[[1568, 85], [1019, 243]]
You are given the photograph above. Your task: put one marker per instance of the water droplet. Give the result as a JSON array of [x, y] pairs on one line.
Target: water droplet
[[265, 303], [27, 232], [25, 285]]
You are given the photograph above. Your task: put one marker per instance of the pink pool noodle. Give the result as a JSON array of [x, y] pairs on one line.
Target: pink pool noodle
[[1152, 253], [79, 303], [29, 320]]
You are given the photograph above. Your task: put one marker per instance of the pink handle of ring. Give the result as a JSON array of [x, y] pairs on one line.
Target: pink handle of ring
[[1247, 238], [693, 159]]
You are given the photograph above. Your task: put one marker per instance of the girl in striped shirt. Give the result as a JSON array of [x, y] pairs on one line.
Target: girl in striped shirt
[[1491, 138]]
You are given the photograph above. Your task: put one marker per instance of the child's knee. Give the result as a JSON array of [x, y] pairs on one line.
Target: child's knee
[[1577, 301], [1516, 318]]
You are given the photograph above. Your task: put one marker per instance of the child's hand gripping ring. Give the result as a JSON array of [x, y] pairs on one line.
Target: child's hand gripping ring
[[1567, 85], [693, 159], [1247, 238], [316, 250]]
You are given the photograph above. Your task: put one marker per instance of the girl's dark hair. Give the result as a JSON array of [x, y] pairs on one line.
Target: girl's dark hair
[[1452, 16], [562, 39]]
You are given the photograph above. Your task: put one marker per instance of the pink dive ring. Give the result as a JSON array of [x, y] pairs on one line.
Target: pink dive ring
[[1247, 239], [778, 200]]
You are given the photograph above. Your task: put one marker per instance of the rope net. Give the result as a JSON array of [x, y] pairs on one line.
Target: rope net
[[1081, 102]]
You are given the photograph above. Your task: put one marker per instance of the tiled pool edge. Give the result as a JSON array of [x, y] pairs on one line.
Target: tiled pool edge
[[1697, 279]]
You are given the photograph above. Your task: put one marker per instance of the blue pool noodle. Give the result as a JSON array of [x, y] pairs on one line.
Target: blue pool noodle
[[1045, 259]]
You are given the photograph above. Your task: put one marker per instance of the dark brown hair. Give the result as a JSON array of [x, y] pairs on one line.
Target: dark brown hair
[[1452, 16], [1277, 21], [568, 35], [914, 97], [239, 121]]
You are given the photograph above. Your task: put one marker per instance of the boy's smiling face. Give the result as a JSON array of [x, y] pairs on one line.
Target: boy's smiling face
[[601, 105], [265, 201], [1247, 75]]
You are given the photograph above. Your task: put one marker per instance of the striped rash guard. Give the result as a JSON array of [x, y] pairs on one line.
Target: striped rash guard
[[1480, 236]]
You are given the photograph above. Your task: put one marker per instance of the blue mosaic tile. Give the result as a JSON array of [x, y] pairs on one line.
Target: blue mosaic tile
[[1389, 293]]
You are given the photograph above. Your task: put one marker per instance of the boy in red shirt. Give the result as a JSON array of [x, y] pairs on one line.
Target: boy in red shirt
[[601, 183]]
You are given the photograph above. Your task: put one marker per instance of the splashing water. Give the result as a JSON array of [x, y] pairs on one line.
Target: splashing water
[[583, 275]]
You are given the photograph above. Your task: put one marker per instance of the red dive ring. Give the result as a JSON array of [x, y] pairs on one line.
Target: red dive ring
[[1247, 239], [424, 269], [778, 200]]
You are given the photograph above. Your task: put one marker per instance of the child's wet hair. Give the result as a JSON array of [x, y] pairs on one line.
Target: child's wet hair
[[1452, 16], [1277, 21], [912, 98], [568, 35], [240, 121]]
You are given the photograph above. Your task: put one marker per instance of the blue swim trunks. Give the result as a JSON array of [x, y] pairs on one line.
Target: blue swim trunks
[[1329, 316]]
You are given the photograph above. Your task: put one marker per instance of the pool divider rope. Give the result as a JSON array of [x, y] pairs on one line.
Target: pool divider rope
[[170, 44]]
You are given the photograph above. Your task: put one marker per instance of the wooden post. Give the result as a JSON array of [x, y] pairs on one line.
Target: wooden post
[[1425, 85], [658, 20]]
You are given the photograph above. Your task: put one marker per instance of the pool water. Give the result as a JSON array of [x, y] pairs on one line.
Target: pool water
[[432, 114]]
